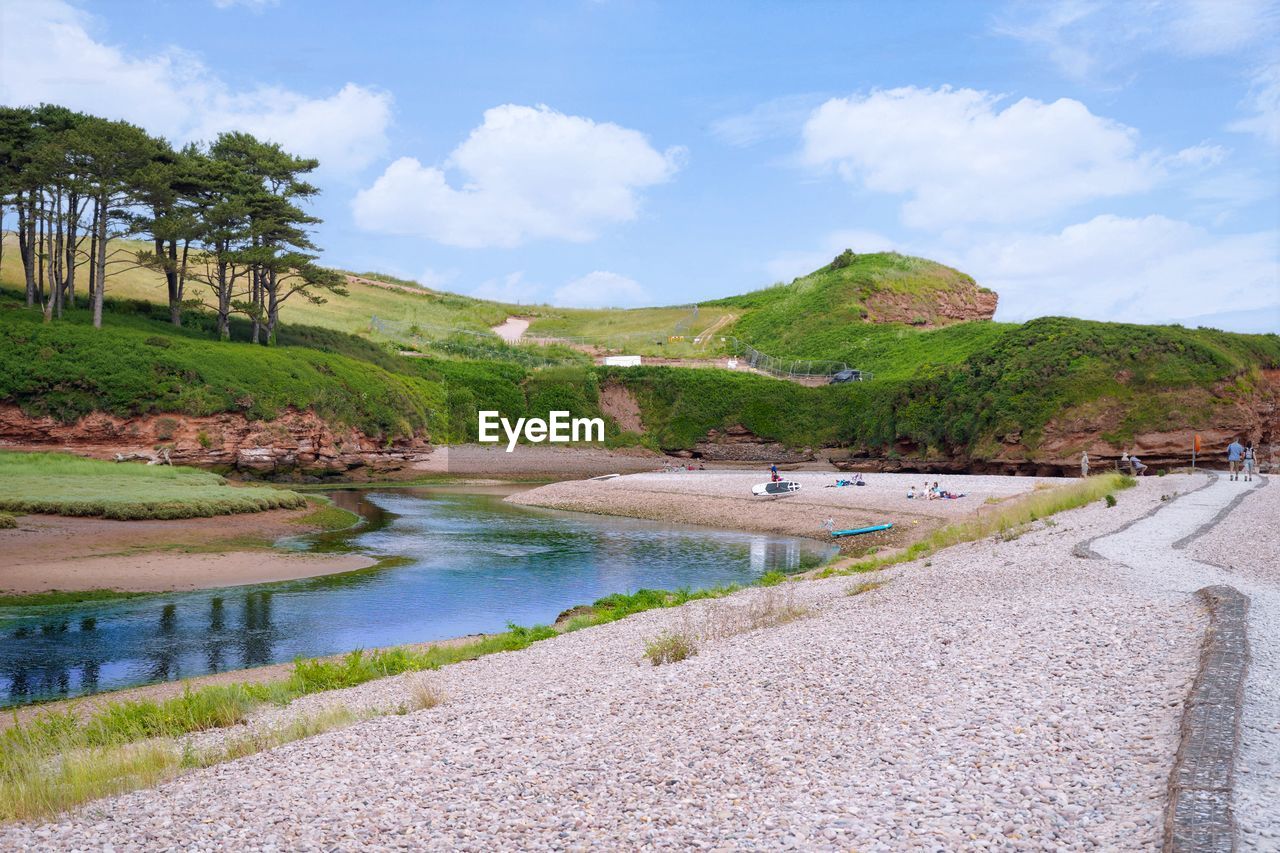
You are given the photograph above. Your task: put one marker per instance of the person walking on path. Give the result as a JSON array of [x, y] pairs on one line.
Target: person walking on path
[[1084, 464], [1248, 463], [1234, 452]]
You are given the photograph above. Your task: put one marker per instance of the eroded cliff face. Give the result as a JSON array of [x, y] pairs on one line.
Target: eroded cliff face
[[297, 442], [942, 307], [1218, 415]]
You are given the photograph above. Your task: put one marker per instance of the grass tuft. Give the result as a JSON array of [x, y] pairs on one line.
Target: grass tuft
[[864, 587], [670, 647], [425, 693]]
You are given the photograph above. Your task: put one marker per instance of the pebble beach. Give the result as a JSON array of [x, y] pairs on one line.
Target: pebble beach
[[1006, 694]]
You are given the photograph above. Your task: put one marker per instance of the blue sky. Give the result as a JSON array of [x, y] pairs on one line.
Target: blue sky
[[1108, 161]]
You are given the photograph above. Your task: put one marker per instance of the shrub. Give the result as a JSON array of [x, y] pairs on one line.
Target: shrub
[[166, 428], [1111, 500], [670, 647]]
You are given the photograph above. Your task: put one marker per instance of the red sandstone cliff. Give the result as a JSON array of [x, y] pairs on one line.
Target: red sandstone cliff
[[295, 442]]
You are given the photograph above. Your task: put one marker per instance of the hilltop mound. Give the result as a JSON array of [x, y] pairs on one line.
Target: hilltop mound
[[857, 290]]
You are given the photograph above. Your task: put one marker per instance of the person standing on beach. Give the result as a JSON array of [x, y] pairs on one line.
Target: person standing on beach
[[1084, 464], [1248, 463], [1234, 452]]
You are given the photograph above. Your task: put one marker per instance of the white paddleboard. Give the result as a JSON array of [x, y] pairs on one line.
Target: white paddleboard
[[782, 487]]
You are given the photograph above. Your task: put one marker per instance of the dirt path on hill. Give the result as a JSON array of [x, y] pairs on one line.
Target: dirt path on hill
[[512, 330]]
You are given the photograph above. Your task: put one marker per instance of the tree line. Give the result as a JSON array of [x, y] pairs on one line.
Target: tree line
[[223, 217]]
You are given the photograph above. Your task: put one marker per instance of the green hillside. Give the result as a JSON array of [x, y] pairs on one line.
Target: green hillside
[[950, 389]]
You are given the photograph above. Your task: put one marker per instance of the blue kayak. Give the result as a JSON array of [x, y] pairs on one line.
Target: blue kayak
[[857, 530]]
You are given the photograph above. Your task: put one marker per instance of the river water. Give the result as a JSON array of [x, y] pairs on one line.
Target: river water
[[471, 564]]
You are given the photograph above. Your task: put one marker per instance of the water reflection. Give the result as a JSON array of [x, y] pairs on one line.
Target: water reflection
[[471, 564]]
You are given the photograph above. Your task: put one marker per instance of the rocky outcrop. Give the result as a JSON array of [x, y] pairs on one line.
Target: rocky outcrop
[[956, 304], [297, 442], [739, 444]]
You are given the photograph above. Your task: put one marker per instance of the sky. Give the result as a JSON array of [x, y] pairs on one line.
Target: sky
[[1108, 161]]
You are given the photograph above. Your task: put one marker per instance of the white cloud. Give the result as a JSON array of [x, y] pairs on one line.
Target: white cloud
[[792, 264], [1142, 270], [526, 173], [1090, 40], [174, 94], [960, 158], [601, 289], [776, 118], [511, 288], [1264, 104]]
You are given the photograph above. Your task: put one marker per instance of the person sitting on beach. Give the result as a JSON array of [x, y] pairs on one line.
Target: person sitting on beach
[[1136, 464], [911, 492], [934, 491]]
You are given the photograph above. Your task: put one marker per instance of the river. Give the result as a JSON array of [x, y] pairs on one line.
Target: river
[[468, 563]]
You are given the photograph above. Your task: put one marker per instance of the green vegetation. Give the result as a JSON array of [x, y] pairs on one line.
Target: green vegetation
[[61, 484], [66, 370], [825, 315], [56, 597], [7, 521], [326, 516]]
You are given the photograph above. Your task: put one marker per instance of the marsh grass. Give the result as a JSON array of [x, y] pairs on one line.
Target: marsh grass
[[57, 771], [62, 484], [327, 516], [7, 522]]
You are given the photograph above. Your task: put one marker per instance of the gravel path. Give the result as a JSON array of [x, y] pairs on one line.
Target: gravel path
[[1244, 546], [1002, 694]]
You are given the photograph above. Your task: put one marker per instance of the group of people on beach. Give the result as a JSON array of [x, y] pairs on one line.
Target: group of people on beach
[[932, 493], [1241, 460]]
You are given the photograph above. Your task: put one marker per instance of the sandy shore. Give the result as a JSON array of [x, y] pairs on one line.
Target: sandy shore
[[722, 498], [74, 554], [1001, 695], [535, 462]]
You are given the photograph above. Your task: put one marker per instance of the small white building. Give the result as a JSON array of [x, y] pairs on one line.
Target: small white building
[[622, 360]]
